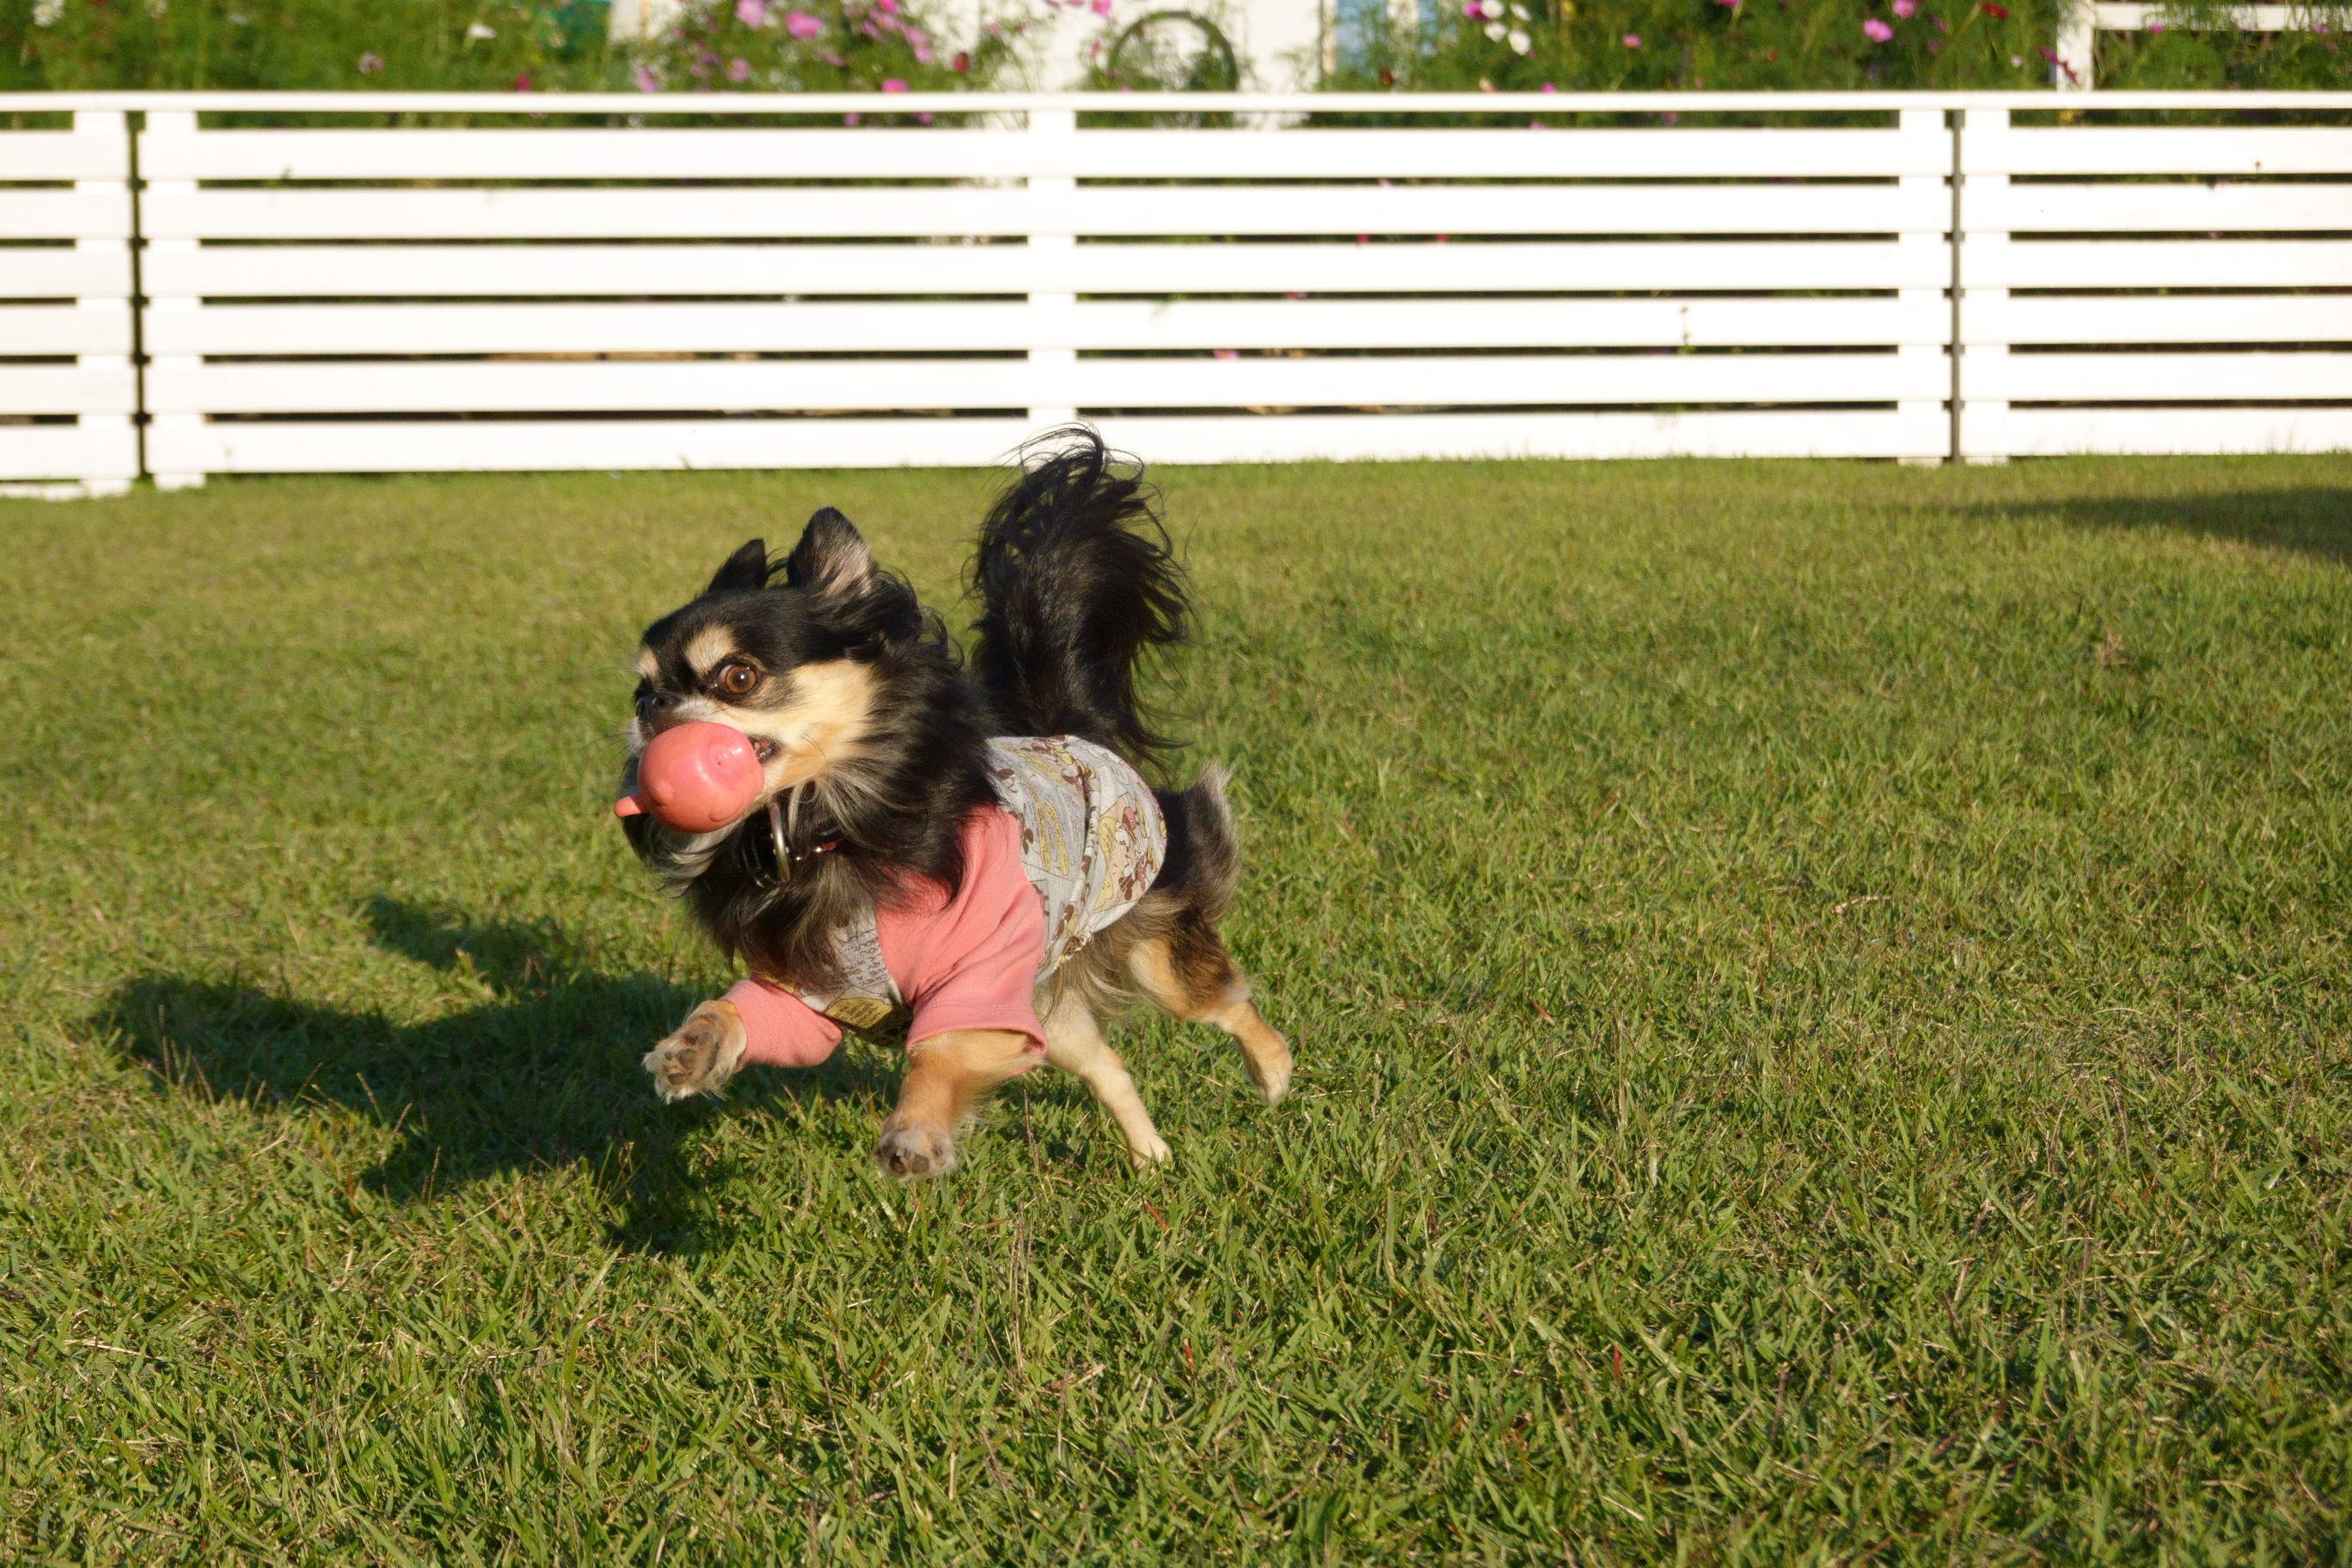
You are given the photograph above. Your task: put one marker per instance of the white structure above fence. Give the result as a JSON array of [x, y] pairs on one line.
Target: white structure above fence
[[1707, 274]]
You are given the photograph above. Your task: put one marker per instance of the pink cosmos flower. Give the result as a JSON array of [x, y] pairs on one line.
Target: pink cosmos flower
[[371, 63], [1224, 353], [1906, 8], [739, 70], [752, 12], [1547, 87], [802, 26], [888, 7], [1877, 31], [646, 79], [892, 84], [1633, 40], [1102, 8]]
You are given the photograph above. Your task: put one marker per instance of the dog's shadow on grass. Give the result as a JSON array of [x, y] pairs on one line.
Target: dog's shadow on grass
[[542, 1073], [2306, 520]]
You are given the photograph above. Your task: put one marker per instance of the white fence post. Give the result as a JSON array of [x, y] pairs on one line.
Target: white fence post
[[171, 435], [1053, 362], [109, 258], [1926, 253], [64, 309], [1983, 340], [2076, 46]]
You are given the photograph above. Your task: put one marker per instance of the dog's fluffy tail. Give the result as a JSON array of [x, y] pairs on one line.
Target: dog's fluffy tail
[[1076, 580]]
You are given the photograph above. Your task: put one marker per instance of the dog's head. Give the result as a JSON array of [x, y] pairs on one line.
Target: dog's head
[[792, 664]]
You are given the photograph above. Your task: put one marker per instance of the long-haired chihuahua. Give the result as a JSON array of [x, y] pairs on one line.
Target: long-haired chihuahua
[[969, 854]]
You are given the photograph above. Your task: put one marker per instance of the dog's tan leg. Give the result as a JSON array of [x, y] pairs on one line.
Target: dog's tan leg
[[702, 1056], [946, 1077], [1074, 1042], [1189, 974]]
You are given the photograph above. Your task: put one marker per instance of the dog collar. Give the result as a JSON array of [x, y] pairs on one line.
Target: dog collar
[[783, 827]]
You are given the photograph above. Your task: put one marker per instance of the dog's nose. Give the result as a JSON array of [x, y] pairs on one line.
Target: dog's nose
[[657, 710]]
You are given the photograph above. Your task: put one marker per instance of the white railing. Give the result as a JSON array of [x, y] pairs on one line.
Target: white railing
[[789, 292]]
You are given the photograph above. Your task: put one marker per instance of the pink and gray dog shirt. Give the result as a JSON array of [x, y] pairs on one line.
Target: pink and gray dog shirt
[[1072, 845]]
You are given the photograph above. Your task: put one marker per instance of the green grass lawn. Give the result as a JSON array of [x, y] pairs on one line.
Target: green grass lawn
[[1819, 995]]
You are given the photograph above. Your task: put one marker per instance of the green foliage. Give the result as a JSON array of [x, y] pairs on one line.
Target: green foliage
[[842, 46], [320, 44], [479, 45], [851, 45], [1820, 995], [2217, 55], [1599, 45]]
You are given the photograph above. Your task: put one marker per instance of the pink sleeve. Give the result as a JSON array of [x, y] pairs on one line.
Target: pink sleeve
[[782, 1030], [973, 964]]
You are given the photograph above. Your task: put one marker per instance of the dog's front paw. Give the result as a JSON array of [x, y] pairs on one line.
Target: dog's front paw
[[702, 1056], [907, 1151]]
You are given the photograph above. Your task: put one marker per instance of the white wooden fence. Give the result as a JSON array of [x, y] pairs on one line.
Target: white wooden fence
[[2154, 288], [788, 291]]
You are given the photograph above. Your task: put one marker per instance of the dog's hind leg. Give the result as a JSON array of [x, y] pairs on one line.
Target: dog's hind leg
[[1074, 1042], [1189, 973]]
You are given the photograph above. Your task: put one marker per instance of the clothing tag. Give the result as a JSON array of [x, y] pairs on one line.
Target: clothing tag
[[864, 1014]]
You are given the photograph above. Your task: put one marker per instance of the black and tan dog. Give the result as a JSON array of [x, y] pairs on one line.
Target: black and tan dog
[[878, 740]]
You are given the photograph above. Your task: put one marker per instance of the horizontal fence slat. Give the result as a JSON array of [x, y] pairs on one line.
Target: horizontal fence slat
[[2160, 264], [62, 272], [799, 154], [101, 214], [1502, 266], [68, 452], [280, 330], [2062, 432], [2159, 150], [625, 212], [519, 444], [2158, 207], [2144, 377], [724, 385], [2160, 318], [878, 443], [65, 329], [67, 389], [64, 155], [1584, 435]]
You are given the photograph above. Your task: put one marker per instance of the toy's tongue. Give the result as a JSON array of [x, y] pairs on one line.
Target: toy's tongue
[[627, 806]]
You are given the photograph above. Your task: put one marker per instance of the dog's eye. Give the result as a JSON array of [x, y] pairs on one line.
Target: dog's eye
[[735, 678]]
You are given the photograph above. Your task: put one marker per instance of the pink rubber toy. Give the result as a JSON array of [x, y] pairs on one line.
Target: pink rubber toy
[[695, 778]]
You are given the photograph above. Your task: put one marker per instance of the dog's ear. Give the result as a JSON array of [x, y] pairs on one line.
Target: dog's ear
[[746, 570], [831, 558]]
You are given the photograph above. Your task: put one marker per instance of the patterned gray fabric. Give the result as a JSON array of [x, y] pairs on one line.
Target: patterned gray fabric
[[1092, 840]]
